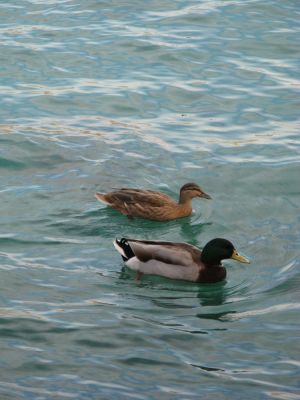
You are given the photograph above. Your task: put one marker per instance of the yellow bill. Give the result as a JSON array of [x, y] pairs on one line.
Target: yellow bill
[[236, 256]]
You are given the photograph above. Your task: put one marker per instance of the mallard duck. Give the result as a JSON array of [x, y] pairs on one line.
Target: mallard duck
[[178, 260], [153, 205]]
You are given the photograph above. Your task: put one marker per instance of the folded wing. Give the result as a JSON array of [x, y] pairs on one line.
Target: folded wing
[[166, 252]]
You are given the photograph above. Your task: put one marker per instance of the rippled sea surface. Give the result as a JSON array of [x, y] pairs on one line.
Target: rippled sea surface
[[152, 94]]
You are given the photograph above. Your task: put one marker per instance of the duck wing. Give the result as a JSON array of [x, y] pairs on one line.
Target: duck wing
[[182, 254], [132, 197], [141, 203]]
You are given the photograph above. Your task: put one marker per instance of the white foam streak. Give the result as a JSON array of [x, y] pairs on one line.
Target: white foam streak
[[268, 310]]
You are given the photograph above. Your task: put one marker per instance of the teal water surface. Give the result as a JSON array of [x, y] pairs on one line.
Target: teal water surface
[[103, 94]]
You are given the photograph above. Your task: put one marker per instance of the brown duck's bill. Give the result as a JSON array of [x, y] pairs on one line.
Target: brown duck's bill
[[236, 256], [205, 196]]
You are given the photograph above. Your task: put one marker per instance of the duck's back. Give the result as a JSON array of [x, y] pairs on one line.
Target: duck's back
[[147, 204]]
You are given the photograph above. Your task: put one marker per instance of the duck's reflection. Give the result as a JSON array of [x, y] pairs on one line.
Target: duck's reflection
[[173, 294], [215, 295], [212, 294]]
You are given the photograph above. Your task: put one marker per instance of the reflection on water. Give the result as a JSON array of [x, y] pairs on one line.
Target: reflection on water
[[213, 296]]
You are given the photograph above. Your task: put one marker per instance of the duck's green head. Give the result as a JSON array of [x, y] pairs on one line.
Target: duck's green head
[[220, 249]]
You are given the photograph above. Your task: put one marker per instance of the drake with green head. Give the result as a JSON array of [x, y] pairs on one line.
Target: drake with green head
[[178, 260]]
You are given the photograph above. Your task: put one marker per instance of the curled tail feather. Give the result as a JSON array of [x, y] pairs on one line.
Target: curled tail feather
[[123, 247]]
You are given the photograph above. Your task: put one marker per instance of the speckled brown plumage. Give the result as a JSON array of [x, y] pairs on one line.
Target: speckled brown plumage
[[152, 205]]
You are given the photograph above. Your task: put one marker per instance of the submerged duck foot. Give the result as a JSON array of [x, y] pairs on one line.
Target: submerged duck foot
[[138, 276]]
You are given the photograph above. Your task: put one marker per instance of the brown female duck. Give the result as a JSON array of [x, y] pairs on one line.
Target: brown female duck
[[178, 260], [153, 205]]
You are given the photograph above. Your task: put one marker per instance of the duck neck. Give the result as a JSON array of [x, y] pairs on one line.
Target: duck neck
[[185, 200], [210, 258], [210, 265], [185, 207]]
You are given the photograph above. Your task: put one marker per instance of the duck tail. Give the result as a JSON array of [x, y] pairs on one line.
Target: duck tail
[[123, 247], [101, 198]]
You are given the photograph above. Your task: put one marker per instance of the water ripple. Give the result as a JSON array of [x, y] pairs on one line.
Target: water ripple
[[272, 309], [96, 95]]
